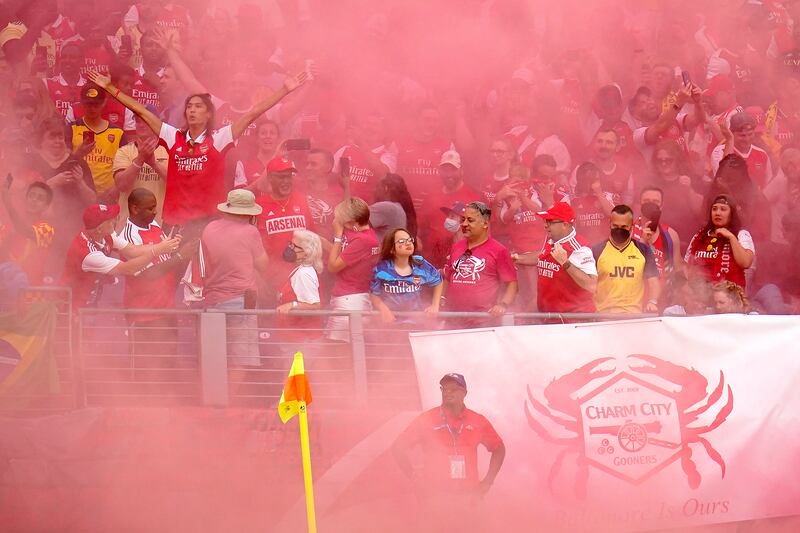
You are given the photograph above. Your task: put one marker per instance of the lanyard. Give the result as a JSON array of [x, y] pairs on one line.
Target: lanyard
[[453, 435]]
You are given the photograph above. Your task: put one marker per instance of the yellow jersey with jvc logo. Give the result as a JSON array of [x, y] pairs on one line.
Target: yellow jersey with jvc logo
[[621, 275]]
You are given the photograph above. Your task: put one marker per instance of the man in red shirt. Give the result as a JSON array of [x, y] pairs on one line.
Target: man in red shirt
[[323, 191], [283, 210], [417, 157], [617, 173], [664, 241], [65, 88], [154, 286], [592, 203], [742, 129], [567, 271], [369, 156], [449, 435], [479, 274], [437, 227], [89, 263]]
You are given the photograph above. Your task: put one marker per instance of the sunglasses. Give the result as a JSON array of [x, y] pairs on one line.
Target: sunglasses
[[409, 240], [466, 255]]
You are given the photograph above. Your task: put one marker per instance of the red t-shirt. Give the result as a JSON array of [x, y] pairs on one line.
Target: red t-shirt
[[360, 251], [525, 230], [145, 93], [97, 58], [436, 240], [476, 277], [321, 205], [195, 175], [143, 293], [590, 219], [362, 179], [63, 95], [276, 223], [418, 163], [430, 431]]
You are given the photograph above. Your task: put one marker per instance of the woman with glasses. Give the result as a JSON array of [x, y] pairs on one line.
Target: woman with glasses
[[196, 151], [721, 250], [400, 277], [669, 173], [301, 291]]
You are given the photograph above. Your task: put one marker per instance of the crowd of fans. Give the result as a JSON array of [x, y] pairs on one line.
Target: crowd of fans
[[656, 171]]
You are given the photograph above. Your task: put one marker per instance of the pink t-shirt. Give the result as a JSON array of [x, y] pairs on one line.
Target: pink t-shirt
[[360, 253], [475, 277], [230, 251]]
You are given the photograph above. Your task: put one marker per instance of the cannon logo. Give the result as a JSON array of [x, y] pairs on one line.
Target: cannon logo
[[632, 423]]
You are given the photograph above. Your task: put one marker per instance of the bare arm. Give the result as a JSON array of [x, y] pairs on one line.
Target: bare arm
[[496, 461], [289, 85], [103, 81], [677, 258], [667, 118], [584, 280]]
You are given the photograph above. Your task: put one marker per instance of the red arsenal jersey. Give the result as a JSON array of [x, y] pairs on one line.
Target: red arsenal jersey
[[142, 293], [86, 265], [362, 179], [557, 291], [195, 175], [276, 223], [63, 95], [418, 163]]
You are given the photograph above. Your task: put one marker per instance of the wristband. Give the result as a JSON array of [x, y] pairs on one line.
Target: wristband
[[337, 240], [566, 265], [676, 107], [116, 93]]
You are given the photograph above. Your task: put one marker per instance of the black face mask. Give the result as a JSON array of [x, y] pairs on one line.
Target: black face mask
[[289, 255], [620, 235], [651, 212]]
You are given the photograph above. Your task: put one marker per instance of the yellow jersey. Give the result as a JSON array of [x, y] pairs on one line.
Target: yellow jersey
[[101, 158], [621, 276]]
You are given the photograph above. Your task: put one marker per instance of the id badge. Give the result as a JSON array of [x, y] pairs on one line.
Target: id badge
[[458, 467]]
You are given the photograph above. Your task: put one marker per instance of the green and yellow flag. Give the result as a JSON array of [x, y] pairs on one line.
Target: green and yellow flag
[[27, 365], [295, 391]]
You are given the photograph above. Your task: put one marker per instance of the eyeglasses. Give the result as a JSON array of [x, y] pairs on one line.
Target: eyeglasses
[[409, 240], [295, 247]]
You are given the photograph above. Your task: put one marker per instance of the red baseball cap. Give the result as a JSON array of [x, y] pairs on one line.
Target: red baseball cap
[[560, 211], [720, 82], [96, 214], [280, 164]]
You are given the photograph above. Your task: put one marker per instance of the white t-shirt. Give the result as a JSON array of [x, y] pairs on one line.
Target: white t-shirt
[[98, 262], [305, 284]]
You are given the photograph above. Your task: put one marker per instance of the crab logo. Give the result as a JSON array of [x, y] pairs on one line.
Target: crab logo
[[469, 268], [628, 425]]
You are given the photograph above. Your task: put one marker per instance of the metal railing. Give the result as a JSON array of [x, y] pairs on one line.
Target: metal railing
[[112, 356]]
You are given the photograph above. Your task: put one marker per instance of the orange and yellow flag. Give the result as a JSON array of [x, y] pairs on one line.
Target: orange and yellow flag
[[296, 391]]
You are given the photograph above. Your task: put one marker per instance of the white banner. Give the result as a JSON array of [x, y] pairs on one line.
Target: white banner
[[643, 424]]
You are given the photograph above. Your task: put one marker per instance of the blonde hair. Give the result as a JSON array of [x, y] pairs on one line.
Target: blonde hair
[[312, 246], [354, 209], [735, 292]]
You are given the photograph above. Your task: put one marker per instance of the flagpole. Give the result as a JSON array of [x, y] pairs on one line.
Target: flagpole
[[307, 478]]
